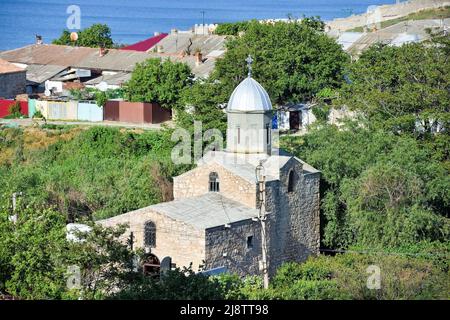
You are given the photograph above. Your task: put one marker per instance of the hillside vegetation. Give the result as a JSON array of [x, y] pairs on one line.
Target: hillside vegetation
[[99, 172], [385, 187]]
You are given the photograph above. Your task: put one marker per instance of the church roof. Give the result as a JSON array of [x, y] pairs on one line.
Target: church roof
[[206, 211], [249, 95], [244, 164]]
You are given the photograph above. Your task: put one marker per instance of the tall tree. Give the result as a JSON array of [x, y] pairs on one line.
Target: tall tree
[[157, 81], [293, 61], [97, 35], [399, 86]]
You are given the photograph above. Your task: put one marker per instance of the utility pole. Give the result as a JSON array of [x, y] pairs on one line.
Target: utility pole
[[203, 21], [262, 217]]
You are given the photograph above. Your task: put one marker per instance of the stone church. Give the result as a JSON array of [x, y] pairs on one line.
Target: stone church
[[213, 221]]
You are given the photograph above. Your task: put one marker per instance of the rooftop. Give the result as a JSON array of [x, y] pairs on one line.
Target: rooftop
[[39, 73], [146, 44], [175, 43], [59, 57], [244, 165], [249, 95], [7, 67], [206, 211]]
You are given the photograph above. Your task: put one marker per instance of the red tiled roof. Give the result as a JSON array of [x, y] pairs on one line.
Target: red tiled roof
[[147, 44]]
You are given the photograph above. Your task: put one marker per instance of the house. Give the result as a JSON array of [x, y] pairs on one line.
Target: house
[[50, 66], [215, 221], [147, 44], [12, 80]]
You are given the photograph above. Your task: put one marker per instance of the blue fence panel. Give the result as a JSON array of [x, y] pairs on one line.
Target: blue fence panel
[[88, 111], [31, 107]]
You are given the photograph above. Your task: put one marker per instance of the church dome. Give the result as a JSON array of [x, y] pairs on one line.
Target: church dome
[[249, 95]]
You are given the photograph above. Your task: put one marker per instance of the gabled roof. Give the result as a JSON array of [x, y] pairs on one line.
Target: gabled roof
[[206, 211], [89, 58], [202, 212], [38, 73], [7, 67], [244, 165], [118, 79], [177, 42], [146, 44]]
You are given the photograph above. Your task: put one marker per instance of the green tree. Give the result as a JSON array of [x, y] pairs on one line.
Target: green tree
[[378, 188], [231, 28], [293, 61], [36, 258], [97, 35], [157, 81], [397, 87], [204, 102]]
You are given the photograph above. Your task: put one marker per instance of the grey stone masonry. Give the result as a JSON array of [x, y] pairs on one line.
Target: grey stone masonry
[[12, 84]]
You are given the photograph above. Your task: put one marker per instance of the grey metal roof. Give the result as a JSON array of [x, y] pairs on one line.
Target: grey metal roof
[[206, 211], [111, 79], [177, 42], [56, 56], [38, 73], [249, 95], [244, 165]]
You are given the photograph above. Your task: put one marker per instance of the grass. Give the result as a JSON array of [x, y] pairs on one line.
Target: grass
[[439, 13]]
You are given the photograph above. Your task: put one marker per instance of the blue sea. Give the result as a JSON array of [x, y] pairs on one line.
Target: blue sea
[[135, 20]]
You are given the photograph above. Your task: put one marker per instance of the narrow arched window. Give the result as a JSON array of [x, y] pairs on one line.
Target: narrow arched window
[[214, 182], [291, 182], [150, 234], [239, 134]]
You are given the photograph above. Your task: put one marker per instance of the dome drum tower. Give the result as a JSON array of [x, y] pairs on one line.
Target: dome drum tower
[[249, 114]]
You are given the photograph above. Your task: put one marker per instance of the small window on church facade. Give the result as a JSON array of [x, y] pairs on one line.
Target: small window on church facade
[[214, 182], [150, 234], [239, 134], [249, 242], [291, 181], [268, 134]]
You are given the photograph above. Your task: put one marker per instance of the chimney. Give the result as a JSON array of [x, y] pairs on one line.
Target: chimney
[[156, 33], [199, 58], [38, 39]]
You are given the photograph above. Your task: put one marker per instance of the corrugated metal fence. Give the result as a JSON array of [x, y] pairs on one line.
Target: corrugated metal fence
[[69, 110], [6, 104], [135, 112], [59, 110], [89, 111]]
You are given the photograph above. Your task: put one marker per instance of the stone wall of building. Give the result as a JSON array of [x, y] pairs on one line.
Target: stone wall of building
[[228, 247], [294, 223], [12, 84], [182, 242], [196, 182]]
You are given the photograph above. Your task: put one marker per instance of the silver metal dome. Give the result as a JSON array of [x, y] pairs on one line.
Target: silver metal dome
[[249, 95]]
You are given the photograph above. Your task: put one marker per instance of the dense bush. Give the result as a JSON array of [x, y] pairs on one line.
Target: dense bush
[[345, 276], [99, 171], [378, 189]]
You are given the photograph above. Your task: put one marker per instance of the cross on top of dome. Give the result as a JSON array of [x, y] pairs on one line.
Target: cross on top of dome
[[249, 95]]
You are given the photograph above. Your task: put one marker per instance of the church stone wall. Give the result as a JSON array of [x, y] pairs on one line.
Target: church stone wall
[[196, 183], [182, 242], [294, 224], [228, 247]]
